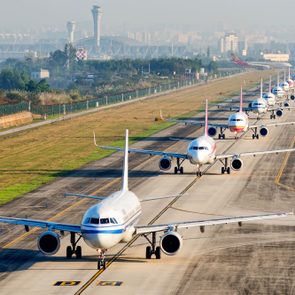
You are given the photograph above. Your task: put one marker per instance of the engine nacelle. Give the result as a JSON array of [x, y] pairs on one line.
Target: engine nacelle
[[171, 243], [212, 131], [48, 243], [279, 113], [165, 163], [286, 104], [292, 97], [250, 105], [263, 131], [236, 164]]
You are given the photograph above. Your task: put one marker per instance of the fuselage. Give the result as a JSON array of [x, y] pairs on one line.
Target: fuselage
[[278, 91], [111, 221], [290, 82], [202, 150], [270, 98], [238, 122], [259, 105], [285, 86]]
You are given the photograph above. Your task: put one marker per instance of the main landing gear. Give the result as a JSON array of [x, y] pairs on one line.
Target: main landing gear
[[152, 249], [221, 135], [101, 263], [272, 115], [255, 133], [178, 168], [71, 250], [225, 168]]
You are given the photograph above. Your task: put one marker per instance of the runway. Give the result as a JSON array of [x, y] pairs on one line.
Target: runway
[[255, 258]]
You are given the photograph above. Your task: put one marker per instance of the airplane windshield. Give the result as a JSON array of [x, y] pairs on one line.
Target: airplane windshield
[[199, 148], [94, 220]]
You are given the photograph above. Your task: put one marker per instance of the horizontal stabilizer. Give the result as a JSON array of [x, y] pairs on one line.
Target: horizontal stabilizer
[[100, 198]]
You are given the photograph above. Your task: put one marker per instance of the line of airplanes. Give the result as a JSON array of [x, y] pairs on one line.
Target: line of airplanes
[[115, 218]]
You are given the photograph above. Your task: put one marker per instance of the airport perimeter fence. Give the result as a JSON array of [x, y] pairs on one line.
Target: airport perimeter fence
[[63, 109]]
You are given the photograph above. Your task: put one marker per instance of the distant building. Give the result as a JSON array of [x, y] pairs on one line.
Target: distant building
[[229, 43], [278, 57], [42, 74]]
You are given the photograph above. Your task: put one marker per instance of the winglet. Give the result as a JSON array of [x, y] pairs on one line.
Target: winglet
[[206, 118], [241, 100], [125, 165], [94, 139]]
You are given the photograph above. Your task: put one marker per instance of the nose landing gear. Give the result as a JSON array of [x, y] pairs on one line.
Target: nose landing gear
[[101, 263]]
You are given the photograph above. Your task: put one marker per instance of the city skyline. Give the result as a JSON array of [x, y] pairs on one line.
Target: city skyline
[[130, 14]]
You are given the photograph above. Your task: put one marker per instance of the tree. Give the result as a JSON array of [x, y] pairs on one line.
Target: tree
[[12, 79]]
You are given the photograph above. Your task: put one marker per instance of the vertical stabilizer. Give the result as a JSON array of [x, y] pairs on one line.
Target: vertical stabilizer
[[206, 118], [269, 88], [278, 79], [289, 76], [125, 165], [241, 100], [261, 87]]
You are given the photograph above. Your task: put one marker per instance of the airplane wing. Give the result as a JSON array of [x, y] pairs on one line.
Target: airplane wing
[[75, 228], [238, 155], [234, 108], [148, 152], [272, 124], [144, 229], [192, 122]]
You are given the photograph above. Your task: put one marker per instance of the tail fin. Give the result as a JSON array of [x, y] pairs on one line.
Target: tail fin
[[289, 76], [278, 79], [206, 118], [125, 165], [269, 87], [241, 100], [261, 87]]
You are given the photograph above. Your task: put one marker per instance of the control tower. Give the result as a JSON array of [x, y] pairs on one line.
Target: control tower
[[71, 29], [97, 13]]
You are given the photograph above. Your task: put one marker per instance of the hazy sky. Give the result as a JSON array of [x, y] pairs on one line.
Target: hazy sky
[[201, 13]]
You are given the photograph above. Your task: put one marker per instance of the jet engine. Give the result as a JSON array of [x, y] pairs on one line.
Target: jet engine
[[286, 104], [48, 243], [292, 97], [212, 131], [279, 113], [236, 164], [171, 243], [263, 131], [165, 163]]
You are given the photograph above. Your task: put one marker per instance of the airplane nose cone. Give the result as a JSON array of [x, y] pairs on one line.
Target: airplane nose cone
[[197, 157]]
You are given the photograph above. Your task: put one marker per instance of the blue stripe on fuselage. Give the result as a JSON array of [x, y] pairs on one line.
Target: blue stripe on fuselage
[[99, 231]]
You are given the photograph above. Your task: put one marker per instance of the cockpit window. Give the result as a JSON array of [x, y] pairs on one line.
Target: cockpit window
[[199, 148], [94, 220], [113, 220], [104, 220]]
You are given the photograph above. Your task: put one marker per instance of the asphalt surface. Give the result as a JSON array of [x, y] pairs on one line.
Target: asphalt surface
[[257, 258]]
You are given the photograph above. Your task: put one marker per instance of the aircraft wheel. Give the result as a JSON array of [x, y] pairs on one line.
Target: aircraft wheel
[[148, 252], [228, 170], [79, 252], [222, 170], [158, 253], [181, 170], [175, 170], [223, 136], [257, 136], [69, 252]]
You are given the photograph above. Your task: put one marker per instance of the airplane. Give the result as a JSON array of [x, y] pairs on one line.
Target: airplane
[[237, 123], [200, 151], [260, 106], [269, 96], [114, 219]]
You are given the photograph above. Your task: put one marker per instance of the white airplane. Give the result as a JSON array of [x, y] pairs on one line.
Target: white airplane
[[201, 151], [269, 96], [260, 106], [278, 91], [237, 123], [114, 219]]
